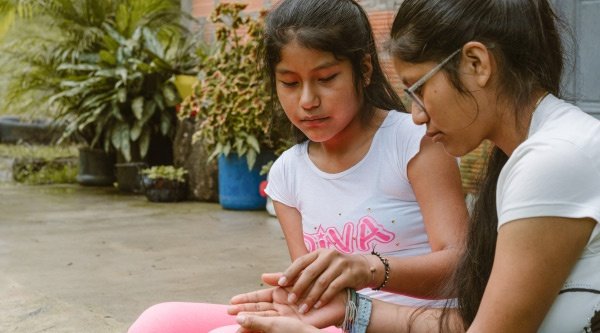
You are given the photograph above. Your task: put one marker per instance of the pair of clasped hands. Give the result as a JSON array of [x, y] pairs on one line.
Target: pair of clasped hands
[[309, 294]]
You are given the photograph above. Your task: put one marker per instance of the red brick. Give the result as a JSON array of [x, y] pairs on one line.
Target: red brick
[[202, 8]]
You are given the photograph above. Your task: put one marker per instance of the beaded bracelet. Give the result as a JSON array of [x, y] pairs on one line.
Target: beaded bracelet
[[386, 265]]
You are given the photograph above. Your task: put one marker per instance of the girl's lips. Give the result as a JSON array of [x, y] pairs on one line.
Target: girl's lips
[[313, 118], [314, 121]]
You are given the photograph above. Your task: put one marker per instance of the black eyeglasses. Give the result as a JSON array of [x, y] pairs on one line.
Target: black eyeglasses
[[410, 91]]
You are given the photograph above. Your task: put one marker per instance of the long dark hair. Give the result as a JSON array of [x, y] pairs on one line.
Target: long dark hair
[[525, 39], [340, 27]]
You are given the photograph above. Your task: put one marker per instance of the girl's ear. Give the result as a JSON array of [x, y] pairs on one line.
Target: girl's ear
[[478, 63], [367, 69]]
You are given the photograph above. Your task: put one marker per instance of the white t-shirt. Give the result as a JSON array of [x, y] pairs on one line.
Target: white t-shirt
[[371, 204], [556, 172]]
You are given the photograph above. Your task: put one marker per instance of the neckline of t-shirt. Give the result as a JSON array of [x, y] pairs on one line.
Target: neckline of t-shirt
[[385, 123]]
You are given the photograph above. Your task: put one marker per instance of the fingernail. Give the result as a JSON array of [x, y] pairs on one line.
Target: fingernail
[[240, 319], [292, 298], [303, 308], [282, 281], [318, 305]]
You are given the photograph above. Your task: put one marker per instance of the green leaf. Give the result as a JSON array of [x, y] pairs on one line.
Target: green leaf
[[165, 124], [122, 72], [78, 67], [107, 57], [152, 43], [114, 34], [137, 106], [116, 112], [227, 149], [137, 34], [116, 135], [171, 96], [82, 124], [68, 93], [106, 143], [241, 151], [109, 43], [239, 142], [251, 139], [122, 95], [251, 158], [144, 143], [149, 110], [108, 73], [126, 146], [121, 140], [136, 130], [214, 154], [158, 98], [143, 67]]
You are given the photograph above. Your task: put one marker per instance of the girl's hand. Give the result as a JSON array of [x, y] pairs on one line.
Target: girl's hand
[[273, 324], [273, 303], [314, 279]]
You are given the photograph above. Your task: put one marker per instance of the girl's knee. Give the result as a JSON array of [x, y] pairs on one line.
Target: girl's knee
[[157, 318], [182, 317]]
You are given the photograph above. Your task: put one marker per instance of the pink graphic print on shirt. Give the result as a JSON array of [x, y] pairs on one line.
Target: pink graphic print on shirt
[[361, 237]]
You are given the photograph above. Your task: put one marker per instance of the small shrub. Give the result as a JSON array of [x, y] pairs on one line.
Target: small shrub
[[165, 172]]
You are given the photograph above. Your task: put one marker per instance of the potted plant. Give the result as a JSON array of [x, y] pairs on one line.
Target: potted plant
[[106, 69], [164, 183], [125, 96], [229, 104]]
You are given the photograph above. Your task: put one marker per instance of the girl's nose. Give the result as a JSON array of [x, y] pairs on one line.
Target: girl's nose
[[309, 99], [419, 115]]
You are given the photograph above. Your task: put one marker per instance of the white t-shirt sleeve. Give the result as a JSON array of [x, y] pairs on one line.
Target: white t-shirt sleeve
[[553, 178], [408, 143], [280, 183]]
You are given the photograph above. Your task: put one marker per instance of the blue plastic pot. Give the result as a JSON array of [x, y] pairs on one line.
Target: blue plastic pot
[[238, 186]]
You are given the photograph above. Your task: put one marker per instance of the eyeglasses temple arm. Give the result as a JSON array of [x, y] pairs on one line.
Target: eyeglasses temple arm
[[432, 72]]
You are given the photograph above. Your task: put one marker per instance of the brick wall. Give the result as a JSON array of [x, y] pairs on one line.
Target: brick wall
[[202, 8], [381, 15], [381, 21]]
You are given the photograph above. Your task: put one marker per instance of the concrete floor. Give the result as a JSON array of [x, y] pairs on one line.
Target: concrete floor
[[86, 260]]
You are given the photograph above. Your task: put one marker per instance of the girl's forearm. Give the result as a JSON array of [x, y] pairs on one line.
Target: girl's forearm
[[424, 276], [392, 318]]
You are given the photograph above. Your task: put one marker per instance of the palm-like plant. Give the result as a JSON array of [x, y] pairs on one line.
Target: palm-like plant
[[104, 67], [9, 9]]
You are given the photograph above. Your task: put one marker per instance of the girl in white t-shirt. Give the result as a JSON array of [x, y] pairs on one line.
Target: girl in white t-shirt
[[364, 198], [477, 70]]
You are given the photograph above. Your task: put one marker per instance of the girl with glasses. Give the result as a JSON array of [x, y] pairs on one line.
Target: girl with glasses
[[533, 247]]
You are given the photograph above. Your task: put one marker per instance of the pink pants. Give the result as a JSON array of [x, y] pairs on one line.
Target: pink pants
[[179, 317]]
